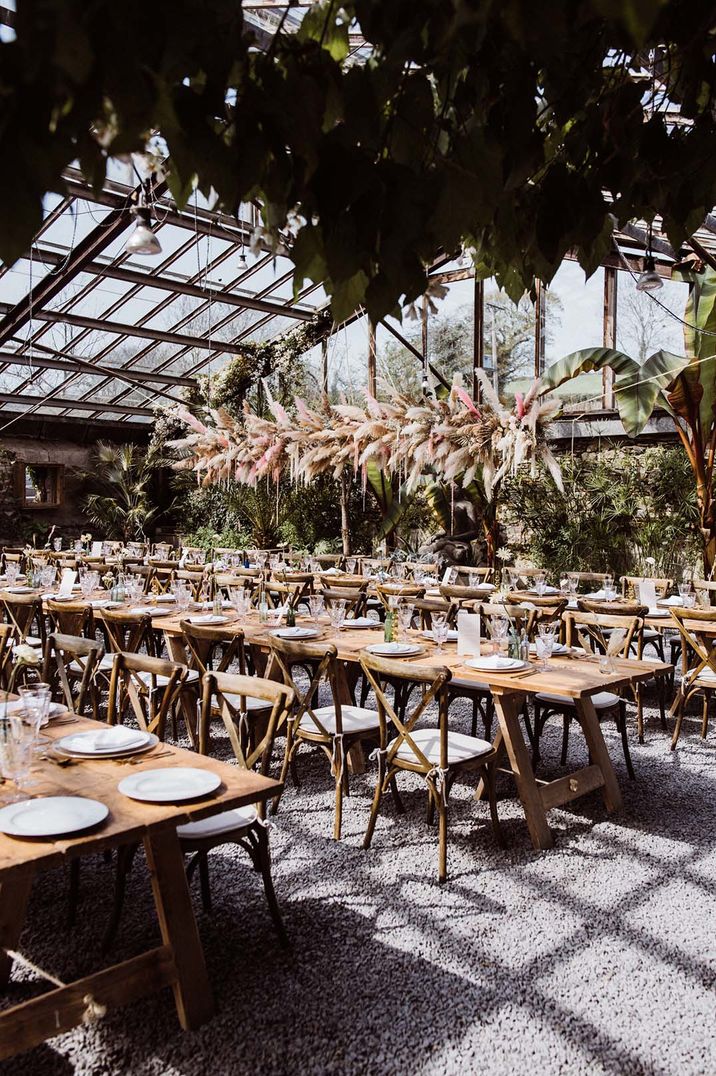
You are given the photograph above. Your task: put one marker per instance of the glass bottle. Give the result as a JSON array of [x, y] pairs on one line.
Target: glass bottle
[[263, 604]]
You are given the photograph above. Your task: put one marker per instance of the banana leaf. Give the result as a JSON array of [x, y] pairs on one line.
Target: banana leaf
[[583, 362], [701, 345]]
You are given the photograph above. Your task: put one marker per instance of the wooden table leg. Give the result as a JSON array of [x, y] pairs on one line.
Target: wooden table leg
[[507, 708], [355, 755], [14, 895], [192, 993], [598, 752], [498, 744]]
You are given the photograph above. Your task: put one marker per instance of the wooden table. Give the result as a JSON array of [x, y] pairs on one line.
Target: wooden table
[[576, 677], [179, 961]]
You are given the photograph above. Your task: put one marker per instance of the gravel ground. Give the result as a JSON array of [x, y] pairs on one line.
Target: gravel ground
[[594, 957]]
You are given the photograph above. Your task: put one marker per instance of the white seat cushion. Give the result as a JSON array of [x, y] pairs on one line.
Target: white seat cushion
[[162, 681], [249, 702], [603, 700], [707, 677], [353, 718], [460, 748], [33, 640], [472, 685], [226, 822], [651, 633], [105, 664]]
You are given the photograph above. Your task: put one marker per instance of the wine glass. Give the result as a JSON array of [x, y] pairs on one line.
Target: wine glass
[[473, 579], [405, 617], [57, 544], [500, 626], [351, 565], [440, 629], [315, 605], [16, 743], [544, 643], [12, 570], [540, 583], [337, 613], [36, 701]]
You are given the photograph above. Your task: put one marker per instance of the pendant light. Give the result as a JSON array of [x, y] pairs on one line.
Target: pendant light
[[649, 279], [143, 240]]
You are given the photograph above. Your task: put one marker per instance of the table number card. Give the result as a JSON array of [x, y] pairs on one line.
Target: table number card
[[468, 633], [449, 577], [96, 550], [66, 583], [647, 592]]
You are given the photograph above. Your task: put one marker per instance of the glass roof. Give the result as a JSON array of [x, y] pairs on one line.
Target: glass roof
[[84, 325]]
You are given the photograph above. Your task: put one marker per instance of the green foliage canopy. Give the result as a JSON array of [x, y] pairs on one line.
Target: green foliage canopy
[[474, 122]]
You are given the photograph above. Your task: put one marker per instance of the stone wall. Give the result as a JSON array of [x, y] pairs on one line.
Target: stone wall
[[18, 524]]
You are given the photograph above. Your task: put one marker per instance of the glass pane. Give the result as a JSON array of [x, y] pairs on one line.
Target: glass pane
[[575, 320], [649, 321]]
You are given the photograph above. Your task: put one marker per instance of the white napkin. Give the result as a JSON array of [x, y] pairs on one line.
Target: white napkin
[[112, 738], [468, 633], [498, 661], [597, 594], [675, 599], [67, 583], [362, 622]]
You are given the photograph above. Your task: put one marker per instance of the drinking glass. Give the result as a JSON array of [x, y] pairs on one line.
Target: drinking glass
[[440, 629], [540, 582], [57, 544], [399, 569], [473, 579], [16, 743], [351, 565], [405, 617], [544, 643], [500, 626], [684, 590], [36, 701], [47, 577], [88, 583], [12, 570], [337, 613], [315, 605]]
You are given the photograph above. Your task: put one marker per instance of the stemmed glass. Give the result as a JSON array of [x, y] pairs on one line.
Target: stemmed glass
[[473, 579], [182, 593], [609, 591], [47, 577], [337, 613], [405, 617], [57, 545], [351, 565], [89, 582], [12, 570], [16, 743], [544, 644], [440, 629], [36, 701], [540, 583], [240, 600], [500, 626], [315, 605]]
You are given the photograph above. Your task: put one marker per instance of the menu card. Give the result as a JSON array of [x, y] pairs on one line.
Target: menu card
[[449, 577], [647, 592], [96, 550], [66, 583], [468, 633]]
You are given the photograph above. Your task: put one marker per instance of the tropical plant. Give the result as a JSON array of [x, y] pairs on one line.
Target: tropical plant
[[121, 504], [473, 121], [683, 385]]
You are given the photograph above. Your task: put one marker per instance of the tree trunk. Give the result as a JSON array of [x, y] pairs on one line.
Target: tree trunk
[[345, 522]]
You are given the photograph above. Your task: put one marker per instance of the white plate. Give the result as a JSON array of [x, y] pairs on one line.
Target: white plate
[[165, 598], [659, 612], [296, 633], [451, 637], [19, 590], [142, 609], [208, 618], [362, 622], [10, 708], [104, 741], [558, 648], [175, 784], [51, 816], [497, 663], [676, 600], [394, 650], [485, 586]]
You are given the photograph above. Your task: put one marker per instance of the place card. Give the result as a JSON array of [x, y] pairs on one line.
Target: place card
[[647, 592], [96, 549], [468, 633], [66, 583], [449, 577]]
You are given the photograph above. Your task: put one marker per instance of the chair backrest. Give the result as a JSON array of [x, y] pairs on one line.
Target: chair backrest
[[321, 659], [352, 582], [630, 585], [194, 579], [61, 650], [211, 650], [149, 685], [388, 591], [355, 599], [594, 631], [623, 608], [432, 681], [7, 638], [520, 615], [463, 572], [283, 594], [697, 628], [425, 607], [22, 611], [460, 594], [329, 560], [555, 602], [70, 618], [163, 549], [251, 733], [127, 632], [705, 589]]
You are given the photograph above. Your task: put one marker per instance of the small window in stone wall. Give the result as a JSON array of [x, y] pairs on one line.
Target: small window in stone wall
[[39, 485]]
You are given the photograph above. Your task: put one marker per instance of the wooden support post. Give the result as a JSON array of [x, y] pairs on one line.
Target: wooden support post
[[424, 325], [324, 366], [478, 358], [540, 311], [609, 334], [372, 372]]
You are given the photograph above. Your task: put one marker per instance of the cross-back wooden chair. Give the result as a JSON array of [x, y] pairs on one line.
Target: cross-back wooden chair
[[697, 631], [593, 632], [126, 632], [163, 550], [70, 666], [425, 607], [24, 613], [253, 748], [145, 572], [438, 753], [194, 576], [149, 686], [329, 560], [7, 638], [462, 577], [643, 637], [387, 591], [355, 599], [212, 650], [70, 618], [461, 595], [334, 728], [278, 594], [630, 585]]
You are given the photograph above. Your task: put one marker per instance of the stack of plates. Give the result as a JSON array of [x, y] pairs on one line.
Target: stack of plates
[[497, 663], [362, 622], [395, 650], [142, 609], [296, 632], [451, 636], [208, 618], [558, 648], [110, 742]]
